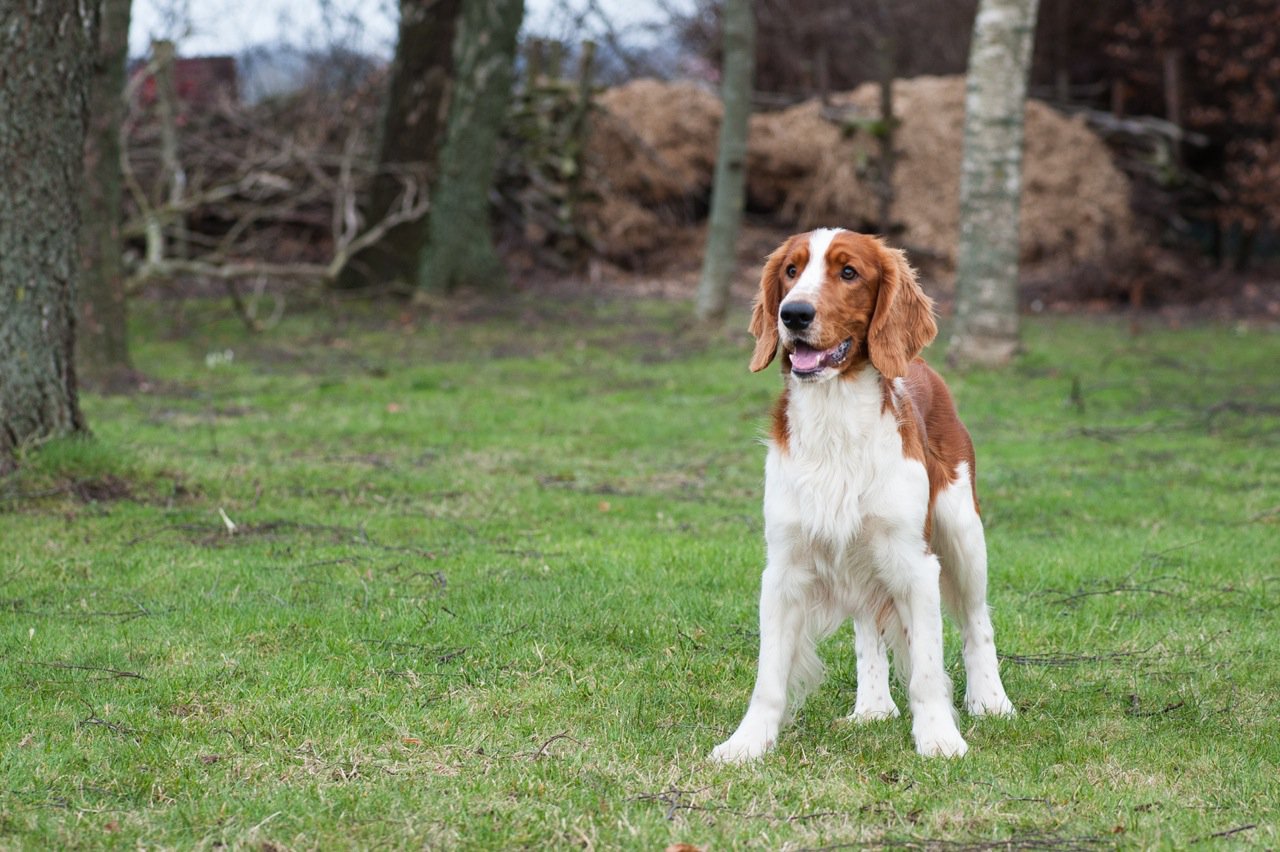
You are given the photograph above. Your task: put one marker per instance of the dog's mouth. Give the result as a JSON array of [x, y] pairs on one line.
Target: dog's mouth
[[806, 361]]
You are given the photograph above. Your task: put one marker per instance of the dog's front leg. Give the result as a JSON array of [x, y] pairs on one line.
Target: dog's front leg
[[782, 629]]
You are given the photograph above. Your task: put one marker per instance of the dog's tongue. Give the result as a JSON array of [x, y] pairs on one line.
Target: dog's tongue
[[806, 359]]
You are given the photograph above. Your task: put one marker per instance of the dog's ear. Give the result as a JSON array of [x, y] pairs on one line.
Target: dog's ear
[[764, 311], [903, 322]]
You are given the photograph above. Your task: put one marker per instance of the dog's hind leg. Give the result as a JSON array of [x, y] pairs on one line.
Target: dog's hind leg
[[910, 577], [961, 547], [873, 701]]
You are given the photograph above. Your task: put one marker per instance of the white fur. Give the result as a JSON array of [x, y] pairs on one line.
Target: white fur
[[844, 516], [959, 541], [814, 273]]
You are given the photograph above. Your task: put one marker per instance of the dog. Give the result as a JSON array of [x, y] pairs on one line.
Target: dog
[[870, 504]]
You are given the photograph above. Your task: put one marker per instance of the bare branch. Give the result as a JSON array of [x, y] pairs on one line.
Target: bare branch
[[276, 183]]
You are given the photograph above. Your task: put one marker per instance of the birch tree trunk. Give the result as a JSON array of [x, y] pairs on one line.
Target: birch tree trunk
[[460, 250], [728, 192], [173, 176], [102, 339], [44, 73], [986, 322], [413, 122]]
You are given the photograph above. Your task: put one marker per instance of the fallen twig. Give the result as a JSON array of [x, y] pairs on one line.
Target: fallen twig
[[1135, 702], [1228, 833], [126, 614], [675, 800], [563, 735], [1112, 590], [1060, 660], [92, 719], [115, 673]]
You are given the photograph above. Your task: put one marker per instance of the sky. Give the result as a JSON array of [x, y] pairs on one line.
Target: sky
[[204, 27]]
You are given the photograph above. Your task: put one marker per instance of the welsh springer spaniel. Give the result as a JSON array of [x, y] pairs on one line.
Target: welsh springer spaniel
[[870, 506]]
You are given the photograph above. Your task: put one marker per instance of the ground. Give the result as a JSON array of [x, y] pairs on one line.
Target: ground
[[486, 578]]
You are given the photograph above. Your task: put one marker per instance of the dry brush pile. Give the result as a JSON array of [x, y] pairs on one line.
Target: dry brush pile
[[653, 151], [651, 154], [274, 189]]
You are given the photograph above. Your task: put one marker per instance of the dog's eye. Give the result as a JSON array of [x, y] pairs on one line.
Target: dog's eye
[[791, 270], [848, 273]]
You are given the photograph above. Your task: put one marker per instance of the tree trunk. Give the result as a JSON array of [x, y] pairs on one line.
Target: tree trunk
[[460, 250], [173, 177], [728, 193], [44, 74], [986, 323], [102, 341], [886, 133], [413, 122]]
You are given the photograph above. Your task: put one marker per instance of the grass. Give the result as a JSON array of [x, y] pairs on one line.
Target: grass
[[371, 580]]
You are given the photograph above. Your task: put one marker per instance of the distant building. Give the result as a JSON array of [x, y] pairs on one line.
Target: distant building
[[199, 81]]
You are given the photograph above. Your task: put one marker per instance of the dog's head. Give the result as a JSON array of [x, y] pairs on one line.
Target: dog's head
[[832, 300]]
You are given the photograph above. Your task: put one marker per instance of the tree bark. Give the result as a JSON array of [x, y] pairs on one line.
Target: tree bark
[[728, 191], [886, 133], [460, 251], [102, 341], [413, 122], [986, 322], [44, 74], [173, 177]]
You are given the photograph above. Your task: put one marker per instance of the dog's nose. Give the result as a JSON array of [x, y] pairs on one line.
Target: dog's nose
[[796, 315]]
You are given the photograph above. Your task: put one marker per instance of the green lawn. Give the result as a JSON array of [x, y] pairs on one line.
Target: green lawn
[[377, 580]]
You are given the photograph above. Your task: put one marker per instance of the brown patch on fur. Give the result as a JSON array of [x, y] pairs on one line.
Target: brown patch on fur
[[883, 615], [932, 432], [764, 311], [845, 308], [781, 431], [903, 322]]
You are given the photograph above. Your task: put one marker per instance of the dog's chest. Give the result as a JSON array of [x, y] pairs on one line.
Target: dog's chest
[[842, 470]]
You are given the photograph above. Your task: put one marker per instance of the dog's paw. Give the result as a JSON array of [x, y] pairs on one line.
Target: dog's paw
[[742, 747], [940, 740], [990, 703], [866, 713]]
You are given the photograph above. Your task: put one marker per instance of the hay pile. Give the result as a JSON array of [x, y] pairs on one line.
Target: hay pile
[[1081, 211], [1075, 202], [803, 165], [653, 154]]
